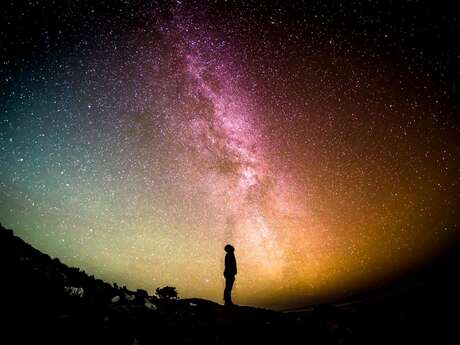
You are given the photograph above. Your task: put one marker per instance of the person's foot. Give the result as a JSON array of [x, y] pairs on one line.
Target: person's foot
[[228, 304]]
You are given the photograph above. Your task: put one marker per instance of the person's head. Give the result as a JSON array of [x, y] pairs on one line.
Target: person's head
[[229, 248]]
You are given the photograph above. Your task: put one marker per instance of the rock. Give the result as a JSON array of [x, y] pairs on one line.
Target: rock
[[149, 305], [74, 291], [141, 293], [129, 297]]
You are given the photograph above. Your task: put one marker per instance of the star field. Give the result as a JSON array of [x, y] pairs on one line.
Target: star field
[[320, 140]]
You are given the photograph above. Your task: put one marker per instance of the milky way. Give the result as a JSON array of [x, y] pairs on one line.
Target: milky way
[[148, 136]]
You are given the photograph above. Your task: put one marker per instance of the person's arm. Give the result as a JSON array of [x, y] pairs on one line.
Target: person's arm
[[227, 264]]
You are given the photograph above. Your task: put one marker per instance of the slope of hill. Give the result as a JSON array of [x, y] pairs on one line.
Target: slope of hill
[[49, 302], [44, 301]]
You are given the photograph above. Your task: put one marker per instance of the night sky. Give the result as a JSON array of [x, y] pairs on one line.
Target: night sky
[[321, 139]]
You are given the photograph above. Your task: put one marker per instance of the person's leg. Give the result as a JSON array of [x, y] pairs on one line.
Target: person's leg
[[228, 289]]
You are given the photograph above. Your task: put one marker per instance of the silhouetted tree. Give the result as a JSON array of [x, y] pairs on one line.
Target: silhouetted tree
[[166, 293]]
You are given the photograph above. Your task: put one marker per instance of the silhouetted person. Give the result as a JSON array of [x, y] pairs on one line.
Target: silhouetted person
[[229, 273]]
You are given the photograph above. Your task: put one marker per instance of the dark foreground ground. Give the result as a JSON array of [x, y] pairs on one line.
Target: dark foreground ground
[[46, 302]]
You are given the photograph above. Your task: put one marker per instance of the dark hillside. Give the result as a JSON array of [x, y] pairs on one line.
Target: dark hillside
[[46, 302]]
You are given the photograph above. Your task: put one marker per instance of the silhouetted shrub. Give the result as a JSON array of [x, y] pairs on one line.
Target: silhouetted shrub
[[166, 293]]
